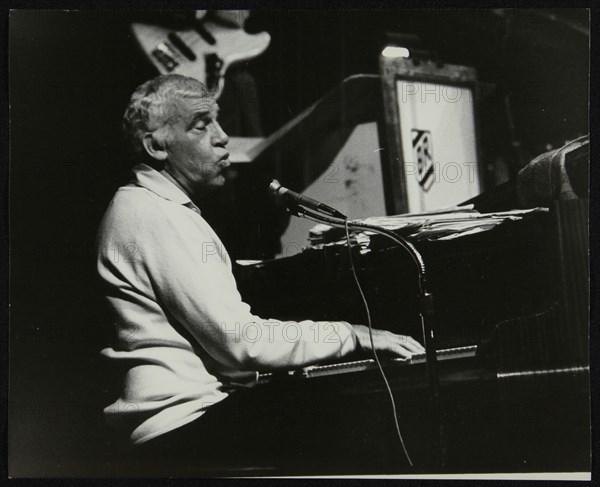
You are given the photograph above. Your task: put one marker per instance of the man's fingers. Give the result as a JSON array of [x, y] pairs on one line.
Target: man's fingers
[[410, 344], [401, 350], [402, 345], [420, 347]]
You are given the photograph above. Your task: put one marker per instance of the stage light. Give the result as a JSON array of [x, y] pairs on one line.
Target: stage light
[[395, 51]]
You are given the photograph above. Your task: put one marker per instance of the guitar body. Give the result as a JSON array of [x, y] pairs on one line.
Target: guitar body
[[204, 52]]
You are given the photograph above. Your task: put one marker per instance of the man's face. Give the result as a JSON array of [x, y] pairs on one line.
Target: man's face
[[195, 145]]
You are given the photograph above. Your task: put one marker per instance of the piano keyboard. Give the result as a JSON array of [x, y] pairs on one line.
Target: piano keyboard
[[370, 364]]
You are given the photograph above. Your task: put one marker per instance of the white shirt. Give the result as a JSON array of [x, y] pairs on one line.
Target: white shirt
[[181, 325]]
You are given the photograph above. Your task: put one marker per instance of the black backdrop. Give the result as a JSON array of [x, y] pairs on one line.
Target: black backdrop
[[71, 74]]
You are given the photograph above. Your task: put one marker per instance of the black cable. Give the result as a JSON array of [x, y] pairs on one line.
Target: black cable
[[409, 247], [376, 357], [341, 223], [303, 212], [424, 296]]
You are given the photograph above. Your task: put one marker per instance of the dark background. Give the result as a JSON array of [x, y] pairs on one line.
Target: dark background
[[71, 74]]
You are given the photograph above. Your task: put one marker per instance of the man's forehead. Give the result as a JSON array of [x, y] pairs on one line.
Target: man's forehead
[[186, 110], [192, 106]]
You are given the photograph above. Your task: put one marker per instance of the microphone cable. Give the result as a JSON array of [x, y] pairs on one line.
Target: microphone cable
[[376, 357], [319, 218]]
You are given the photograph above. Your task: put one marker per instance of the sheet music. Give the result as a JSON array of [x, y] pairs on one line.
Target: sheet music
[[444, 224]]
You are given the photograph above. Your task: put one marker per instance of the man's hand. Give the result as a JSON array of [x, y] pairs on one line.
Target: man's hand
[[386, 341]]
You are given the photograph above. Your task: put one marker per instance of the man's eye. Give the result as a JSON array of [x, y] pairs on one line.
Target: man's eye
[[200, 126]]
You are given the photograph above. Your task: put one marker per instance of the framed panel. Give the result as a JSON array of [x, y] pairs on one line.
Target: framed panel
[[431, 159]]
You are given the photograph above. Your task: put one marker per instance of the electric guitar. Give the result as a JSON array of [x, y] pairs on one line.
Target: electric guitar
[[203, 51]]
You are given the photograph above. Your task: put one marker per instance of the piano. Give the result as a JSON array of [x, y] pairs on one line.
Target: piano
[[351, 367], [511, 324]]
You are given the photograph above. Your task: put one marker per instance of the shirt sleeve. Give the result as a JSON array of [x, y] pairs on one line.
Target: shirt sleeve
[[190, 274]]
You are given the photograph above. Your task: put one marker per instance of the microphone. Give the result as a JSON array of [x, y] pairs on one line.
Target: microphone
[[294, 199]]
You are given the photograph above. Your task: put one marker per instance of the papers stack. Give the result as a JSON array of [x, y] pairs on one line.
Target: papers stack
[[445, 224]]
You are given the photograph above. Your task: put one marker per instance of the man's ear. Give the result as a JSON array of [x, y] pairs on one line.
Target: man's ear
[[154, 146]]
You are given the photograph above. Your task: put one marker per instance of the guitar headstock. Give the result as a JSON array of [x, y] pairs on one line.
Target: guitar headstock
[[203, 51]]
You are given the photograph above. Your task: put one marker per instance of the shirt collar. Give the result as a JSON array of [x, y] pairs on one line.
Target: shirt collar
[[151, 179], [145, 176]]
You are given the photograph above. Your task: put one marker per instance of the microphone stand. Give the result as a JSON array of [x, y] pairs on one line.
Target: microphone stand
[[426, 307]]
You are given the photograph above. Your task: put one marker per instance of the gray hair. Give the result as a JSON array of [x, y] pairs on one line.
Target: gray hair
[[149, 106]]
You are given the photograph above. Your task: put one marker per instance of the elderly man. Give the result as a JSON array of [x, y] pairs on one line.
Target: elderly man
[[182, 329]]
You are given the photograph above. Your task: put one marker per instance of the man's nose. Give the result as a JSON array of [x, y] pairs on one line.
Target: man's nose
[[220, 138]]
